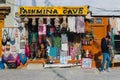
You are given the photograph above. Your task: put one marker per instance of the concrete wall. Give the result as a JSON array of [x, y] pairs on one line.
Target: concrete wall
[[9, 20]]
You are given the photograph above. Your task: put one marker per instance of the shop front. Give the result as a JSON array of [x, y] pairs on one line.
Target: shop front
[[59, 33], [54, 35]]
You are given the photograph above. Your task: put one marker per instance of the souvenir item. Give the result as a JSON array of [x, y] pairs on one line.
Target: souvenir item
[[20, 28], [4, 39], [23, 58], [15, 57], [12, 41], [33, 21], [12, 64], [22, 41], [22, 44], [13, 48], [8, 36], [6, 57], [42, 29], [27, 50], [16, 32], [7, 47]]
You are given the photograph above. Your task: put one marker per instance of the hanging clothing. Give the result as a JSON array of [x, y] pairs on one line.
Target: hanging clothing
[[57, 42], [27, 50], [70, 37], [71, 24], [33, 28], [118, 24], [64, 38], [64, 46], [57, 31], [42, 30], [112, 22], [73, 52], [34, 47], [53, 51], [33, 37], [80, 24], [64, 42], [64, 30]]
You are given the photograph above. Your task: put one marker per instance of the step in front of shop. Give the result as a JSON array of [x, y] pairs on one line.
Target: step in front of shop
[[33, 66]]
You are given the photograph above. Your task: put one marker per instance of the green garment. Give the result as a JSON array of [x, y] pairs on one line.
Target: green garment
[[33, 37], [57, 42]]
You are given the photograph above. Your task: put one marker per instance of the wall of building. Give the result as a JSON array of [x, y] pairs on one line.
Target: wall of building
[[9, 20]]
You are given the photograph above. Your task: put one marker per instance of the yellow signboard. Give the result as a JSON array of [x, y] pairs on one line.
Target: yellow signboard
[[27, 10]]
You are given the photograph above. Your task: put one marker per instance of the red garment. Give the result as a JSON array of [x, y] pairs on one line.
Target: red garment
[[27, 50]]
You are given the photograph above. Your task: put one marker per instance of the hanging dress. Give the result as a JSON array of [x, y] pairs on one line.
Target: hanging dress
[[80, 24]]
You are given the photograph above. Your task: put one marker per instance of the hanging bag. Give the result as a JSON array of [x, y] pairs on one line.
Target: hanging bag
[[23, 58], [22, 41], [12, 41], [4, 40], [8, 36]]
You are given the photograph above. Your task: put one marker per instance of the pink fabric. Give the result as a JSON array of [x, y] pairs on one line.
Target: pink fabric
[[27, 51], [42, 30], [80, 24], [73, 52]]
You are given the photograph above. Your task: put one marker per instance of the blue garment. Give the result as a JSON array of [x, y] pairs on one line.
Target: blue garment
[[53, 51], [23, 58], [106, 57], [2, 66]]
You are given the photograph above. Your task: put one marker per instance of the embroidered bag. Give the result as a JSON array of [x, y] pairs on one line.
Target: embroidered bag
[[23, 58]]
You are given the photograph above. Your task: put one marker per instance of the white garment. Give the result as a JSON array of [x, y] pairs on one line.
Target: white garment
[[64, 47], [118, 24], [112, 22], [71, 24]]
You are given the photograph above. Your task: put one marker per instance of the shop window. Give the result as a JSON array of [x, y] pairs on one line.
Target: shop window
[[98, 20], [92, 21], [2, 1]]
